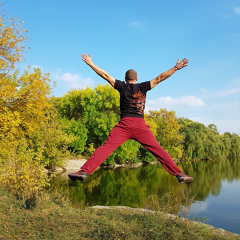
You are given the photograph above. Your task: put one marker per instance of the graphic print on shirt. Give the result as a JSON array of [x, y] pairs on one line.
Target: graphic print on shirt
[[138, 101]]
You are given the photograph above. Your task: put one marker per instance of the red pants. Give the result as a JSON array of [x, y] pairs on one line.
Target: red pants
[[130, 128]]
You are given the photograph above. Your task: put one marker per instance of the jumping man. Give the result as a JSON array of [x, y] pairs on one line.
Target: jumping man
[[132, 124]]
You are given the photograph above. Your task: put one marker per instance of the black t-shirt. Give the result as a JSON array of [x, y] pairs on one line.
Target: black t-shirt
[[132, 98]]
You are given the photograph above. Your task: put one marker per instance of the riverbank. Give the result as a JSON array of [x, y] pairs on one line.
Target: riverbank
[[55, 218], [76, 164]]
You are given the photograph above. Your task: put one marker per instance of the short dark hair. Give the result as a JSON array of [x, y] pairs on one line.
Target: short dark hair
[[131, 74]]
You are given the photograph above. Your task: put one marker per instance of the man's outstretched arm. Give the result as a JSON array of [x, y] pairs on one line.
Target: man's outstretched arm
[[179, 65], [88, 60]]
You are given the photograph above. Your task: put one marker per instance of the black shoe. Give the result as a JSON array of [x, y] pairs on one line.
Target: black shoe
[[80, 175], [182, 178]]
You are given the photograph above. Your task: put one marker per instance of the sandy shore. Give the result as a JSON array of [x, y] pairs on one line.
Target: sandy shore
[[76, 164], [69, 165]]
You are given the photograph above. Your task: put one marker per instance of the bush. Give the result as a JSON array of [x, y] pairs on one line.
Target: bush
[[21, 172]]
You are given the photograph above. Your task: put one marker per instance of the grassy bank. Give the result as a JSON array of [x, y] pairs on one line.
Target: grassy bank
[[57, 219]]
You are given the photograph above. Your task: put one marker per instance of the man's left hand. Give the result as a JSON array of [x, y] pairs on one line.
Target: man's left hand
[[182, 64]]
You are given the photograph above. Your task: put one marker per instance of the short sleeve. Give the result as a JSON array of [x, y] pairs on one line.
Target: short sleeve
[[119, 85], [145, 86]]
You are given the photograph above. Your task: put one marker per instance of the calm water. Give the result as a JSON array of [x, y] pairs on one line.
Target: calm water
[[216, 190]]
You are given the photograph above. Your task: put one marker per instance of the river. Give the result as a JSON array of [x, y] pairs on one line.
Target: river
[[212, 198]]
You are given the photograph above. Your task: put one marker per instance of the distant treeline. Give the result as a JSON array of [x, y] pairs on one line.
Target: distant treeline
[[88, 115]]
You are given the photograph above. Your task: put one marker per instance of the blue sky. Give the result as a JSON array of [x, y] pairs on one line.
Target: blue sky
[[148, 36]]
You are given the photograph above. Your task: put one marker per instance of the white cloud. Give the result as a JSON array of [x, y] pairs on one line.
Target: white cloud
[[227, 92], [73, 80], [70, 80], [184, 101], [220, 93], [237, 10]]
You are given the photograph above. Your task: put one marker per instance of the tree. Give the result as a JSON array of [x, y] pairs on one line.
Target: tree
[[195, 135], [89, 114], [213, 143], [24, 103], [201, 142], [51, 143], [226, 140], [168, 134], [12, 39], [235, 146], [24, 110]]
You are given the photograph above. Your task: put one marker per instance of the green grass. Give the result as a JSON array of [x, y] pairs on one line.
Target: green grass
[[51, 219]]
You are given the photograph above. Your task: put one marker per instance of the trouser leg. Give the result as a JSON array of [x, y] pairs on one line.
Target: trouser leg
[[130, 128], [117, 136], [143, 135]]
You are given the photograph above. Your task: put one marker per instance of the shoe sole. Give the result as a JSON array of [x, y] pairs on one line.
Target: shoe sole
[[76, 177]]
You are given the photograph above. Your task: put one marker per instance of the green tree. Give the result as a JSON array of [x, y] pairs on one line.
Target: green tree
[[226, 140], [79, 130], [235, 146], [89, 114], [195, 135], [168, 134], [213, 144]]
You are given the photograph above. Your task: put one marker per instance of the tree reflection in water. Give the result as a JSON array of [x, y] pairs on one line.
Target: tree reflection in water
[[134, 187]]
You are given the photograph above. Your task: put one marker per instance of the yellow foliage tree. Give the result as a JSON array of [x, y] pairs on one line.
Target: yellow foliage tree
[[12, 38], [24, 108], [24, 103]]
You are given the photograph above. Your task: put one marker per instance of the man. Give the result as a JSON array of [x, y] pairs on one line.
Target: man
[[132, 124]]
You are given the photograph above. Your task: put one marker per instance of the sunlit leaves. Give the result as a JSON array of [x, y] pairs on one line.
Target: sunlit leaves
[[24, 111], [92, 114], [12, 40], [24, 103], [22, 173], [167, 131]]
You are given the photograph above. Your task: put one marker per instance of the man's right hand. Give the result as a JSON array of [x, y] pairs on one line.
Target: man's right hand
[[87, 59]]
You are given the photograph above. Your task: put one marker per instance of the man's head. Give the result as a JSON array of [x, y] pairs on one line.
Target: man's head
[[131, 76]]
